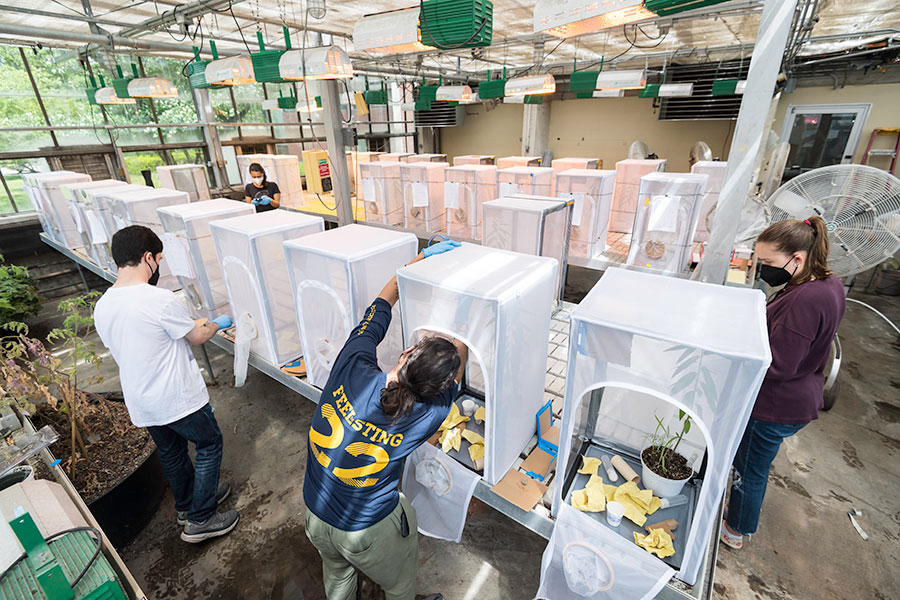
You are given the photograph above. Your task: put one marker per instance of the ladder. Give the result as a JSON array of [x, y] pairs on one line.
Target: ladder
[[883, 151]]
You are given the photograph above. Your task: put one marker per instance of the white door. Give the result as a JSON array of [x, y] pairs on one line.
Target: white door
[[822, 134]]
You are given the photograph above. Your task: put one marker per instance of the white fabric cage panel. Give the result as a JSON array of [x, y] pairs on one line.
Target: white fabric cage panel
[[505, 162], [499, 304], [283, 169], [53, 203], [93, 235], [95, 208], [716, 172], [427, 158], [584, 559], [188, 178], [654, 345], [138, 207], [395, 157], [561, 165], [591, 190], [251, 257], [466, 188], [473, 159], [335, 276], [382, 192], [423, 195], [666, 217], [625, 194], [533, 181], [191, 254], [537, 225], [440, 489], [357, 159], [32, 189]]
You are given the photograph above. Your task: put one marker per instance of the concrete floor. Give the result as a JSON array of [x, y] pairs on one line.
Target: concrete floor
[[805, 547]]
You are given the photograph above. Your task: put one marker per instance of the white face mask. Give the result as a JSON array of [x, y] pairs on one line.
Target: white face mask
[[258, 180]]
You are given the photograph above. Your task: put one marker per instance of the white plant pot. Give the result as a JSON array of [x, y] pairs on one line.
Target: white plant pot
[[661, 486]]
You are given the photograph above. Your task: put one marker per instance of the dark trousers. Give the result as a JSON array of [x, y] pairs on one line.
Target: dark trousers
[[754, 457], [193, 485]]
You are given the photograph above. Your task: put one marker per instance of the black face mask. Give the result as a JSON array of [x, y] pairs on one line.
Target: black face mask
[[776, 276], [154, 277]]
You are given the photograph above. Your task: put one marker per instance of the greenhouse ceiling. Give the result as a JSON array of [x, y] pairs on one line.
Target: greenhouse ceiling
[[721, 32]]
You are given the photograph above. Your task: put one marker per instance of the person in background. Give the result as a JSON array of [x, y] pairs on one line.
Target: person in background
[[261, 192], [149, 332], [802, 320], [356, 516]]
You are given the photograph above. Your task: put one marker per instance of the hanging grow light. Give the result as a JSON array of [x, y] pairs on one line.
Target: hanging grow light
[[120, 84], [390, 32], [670, 7], [531, 85], [152, 87], [265, 62], [454, 93], [323, 62], [622, 80], [728, 87], [107, 95], [667, 90], [453, 24], [567, 18], [234, 70]]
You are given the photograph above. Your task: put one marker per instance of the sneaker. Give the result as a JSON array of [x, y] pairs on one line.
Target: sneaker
[[223, 491], [215, 526], [730, 539]]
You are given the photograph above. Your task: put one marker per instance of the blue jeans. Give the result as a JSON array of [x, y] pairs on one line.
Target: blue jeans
[[754, 457], [193, 485]]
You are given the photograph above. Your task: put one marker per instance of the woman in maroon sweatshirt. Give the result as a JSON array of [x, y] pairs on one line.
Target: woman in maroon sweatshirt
[[802, 320]]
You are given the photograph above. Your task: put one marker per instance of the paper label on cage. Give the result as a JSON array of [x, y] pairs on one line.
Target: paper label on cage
[[451, 194], [96, 229], [578, 207], [663, 213], [76, 216], [508, 189], [368, 189], [176, 255], [419, 193]]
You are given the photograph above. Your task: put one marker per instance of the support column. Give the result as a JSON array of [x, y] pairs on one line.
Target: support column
[[203, 106], [340, 173], [771, 39], [536, 129]]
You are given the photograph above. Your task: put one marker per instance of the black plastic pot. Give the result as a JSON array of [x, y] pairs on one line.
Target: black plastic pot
[[125, 510]]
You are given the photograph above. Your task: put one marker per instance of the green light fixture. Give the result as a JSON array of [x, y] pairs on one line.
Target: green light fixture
[[453, 24], [670, 7], [265, 62], [495, 88], [427, 94], [728, 87], [120, 84], [92, 91], [196, 69], [375, 96]]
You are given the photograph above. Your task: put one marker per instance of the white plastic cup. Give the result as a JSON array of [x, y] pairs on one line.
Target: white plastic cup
[[614, 513]]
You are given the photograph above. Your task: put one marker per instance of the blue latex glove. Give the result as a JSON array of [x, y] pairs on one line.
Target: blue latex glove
[[223, 321], [440, 248], [265, 200], [254, 201]]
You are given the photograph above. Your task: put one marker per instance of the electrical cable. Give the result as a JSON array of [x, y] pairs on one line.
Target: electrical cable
[[240, 31], [880, 314], [634, 43], [322, 202], [98, 538]]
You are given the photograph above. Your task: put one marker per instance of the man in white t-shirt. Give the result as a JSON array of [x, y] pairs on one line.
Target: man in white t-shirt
[[149, 332]]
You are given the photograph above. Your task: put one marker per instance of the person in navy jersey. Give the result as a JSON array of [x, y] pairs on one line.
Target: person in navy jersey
[[366, 424], [802, 320], [262, 193]]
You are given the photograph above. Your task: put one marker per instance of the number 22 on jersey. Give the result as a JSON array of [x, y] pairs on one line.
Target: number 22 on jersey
[[321, 443]]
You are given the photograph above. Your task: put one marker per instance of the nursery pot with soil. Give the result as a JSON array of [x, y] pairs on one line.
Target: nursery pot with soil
[[664, 484]]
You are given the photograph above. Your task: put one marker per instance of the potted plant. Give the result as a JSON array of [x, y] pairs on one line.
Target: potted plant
[[663, 469], [18, 297], [103, 454]]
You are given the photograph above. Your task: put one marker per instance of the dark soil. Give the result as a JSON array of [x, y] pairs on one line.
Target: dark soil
[[118, 447], [676, 465]]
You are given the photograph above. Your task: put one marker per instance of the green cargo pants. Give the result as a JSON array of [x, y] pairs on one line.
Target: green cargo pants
[[379, 551]]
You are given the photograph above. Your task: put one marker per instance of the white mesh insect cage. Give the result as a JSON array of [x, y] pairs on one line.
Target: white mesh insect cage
[[591, 191], [335, 276], [423, 195], [187, 178], [644, 346], [533, 181], [667, 213], [87, 223], [498, 303], [625, 193], [283, 169], [191, 254], [466, 189], [382, 192], [715, 170], [53, 205], [251, 256]]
